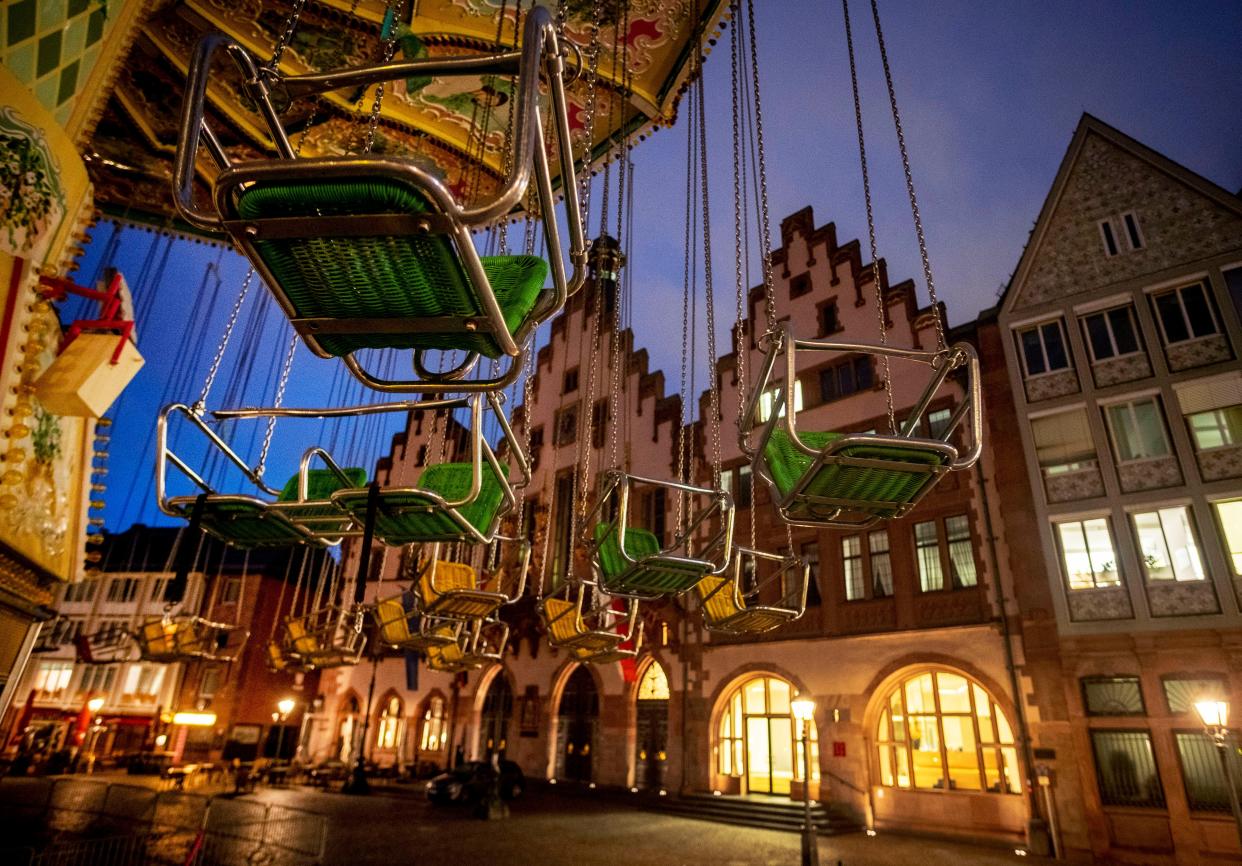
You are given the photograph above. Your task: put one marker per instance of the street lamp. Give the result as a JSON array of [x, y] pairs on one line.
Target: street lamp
[[1215, 717], [804, 712], [284, 707]]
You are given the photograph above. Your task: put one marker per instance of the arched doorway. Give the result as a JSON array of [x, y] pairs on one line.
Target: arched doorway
[[495, 717], [577, 716], [758, 740], [651, 742]]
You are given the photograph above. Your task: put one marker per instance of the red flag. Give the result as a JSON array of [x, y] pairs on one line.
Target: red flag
[[83, 723], [26, 715]]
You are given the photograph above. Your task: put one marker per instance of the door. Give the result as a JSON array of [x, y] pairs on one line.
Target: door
[[577, 717]]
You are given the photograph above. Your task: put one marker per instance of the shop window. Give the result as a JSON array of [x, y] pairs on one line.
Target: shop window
[[388, 732], [1088, 554], [1182, 693], [1167, 547], [1063, 442], [1207, 788], [941, 731], [1111, 333], [1137, 427], [1043, 348], [1185, 313], [1125, 768], [1112, 696]]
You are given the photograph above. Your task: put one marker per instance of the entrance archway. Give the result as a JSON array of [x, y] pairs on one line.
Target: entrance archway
[[495, 717], [758, 739], [348, 730], [651, 742], [577, 718]]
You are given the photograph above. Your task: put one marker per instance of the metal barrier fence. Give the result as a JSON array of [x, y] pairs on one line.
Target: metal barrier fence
[[72, 822]]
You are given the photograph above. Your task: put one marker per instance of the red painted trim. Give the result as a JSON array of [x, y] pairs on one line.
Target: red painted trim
[[15, 283]]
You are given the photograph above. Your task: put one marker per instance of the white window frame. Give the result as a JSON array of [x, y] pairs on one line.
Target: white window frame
[[1117, 583], [1129, 402], [1130, 219], [1038, 328], [853, 573], [1195, 546], [1230, 438], [1232, 557], [1112, 337], [1177, 290]]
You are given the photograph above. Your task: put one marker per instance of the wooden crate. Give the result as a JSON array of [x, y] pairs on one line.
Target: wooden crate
[[82, 381]]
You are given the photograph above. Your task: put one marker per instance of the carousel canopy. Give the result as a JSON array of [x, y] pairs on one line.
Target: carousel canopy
[[456, 128]]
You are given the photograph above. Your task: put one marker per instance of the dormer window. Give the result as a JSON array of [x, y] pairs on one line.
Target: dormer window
[[1121, 234]]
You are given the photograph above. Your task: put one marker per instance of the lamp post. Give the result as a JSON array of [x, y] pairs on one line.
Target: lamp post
[[804, 712], [94, 705], [1215, 717], [284, 707]]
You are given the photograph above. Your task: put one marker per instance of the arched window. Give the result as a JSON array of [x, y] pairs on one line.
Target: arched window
[[654, 684], [388, 732], [759, 740], [433, 726], [941, 731]]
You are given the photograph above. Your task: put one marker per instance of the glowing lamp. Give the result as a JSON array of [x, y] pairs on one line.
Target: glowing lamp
[[194, 720], [95, 705], [803, 709], [286, 706], [1214, 714]]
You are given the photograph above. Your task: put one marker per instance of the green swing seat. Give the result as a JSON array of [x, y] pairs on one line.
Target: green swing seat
[[406, 516], [652, 574], [382, 276], [849, 480], [246, 522]]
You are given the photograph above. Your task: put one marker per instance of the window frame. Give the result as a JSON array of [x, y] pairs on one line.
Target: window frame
[[1162, 804], [1130, 403], [1038, 328], [1085, 682], [1227, 431], [1118, 583], [1133, 231], [1193, 530], [1202, 284], [1104, 315], [1108, 236], [949, 578]]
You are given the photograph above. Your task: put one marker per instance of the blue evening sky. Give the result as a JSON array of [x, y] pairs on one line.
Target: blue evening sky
[[990, 95]]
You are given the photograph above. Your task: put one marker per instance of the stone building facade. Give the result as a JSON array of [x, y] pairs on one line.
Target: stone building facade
[[1121, 335]]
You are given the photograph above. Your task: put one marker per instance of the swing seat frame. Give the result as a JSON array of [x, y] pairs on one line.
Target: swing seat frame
[[596, 631], [184, 637], [856, 480], [630, 561], [620, 652], [478, 645], [414, 211], [731, 607], [454, 590], [326, 637], [400, 624]]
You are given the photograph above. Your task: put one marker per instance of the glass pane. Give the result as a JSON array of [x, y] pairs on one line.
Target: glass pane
[[1194, 298], [903, 766], [1002, 726], [1182, 694], [1230, 516], [899, 719], [782, 741], [778, 696], [1180, 540], [983, 711], [1012, 777], [925, 745], [886, 766], [992, 771], [1150, 429], [959, 744], [758, 761], [755, 700], [882, 732], [1054, 346], [1033, 352], [954, 693], [1126, 769], [1122, 321], [1206, 785], [1152, 550], [919, 697], [1097, 334], [1103, 557], [1170, 312]]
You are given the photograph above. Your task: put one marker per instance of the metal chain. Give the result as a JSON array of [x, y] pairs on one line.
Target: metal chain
[[280, 399], [881, 311], [291, 23], [589, 114], [713, 378], [905, 164], [765, 221], [528, 391], [617, 407], [586, 444], [390, 47], [685, 311], [201, 403]]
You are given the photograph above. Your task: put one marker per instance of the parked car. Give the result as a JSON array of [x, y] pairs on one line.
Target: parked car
[[468, 783]]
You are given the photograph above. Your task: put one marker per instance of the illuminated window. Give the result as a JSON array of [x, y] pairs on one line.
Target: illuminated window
[[931, 574], [769, 397], [1088, 553], [96, 681], [433, 726], [852, 568], [52, 680], [1167, 545], [654, 684], [759, 739], [1229, 516], [941, 731], [388, 734], [142, 684]]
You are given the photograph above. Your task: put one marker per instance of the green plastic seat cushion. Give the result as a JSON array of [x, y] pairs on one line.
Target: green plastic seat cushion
[[639, 543], [383, 276], [408, 516], [866, 485], [322, 483], [655, 576], [247, 524]]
